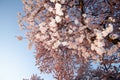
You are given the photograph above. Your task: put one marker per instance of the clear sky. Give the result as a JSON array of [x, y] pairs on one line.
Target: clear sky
[[16, 61]]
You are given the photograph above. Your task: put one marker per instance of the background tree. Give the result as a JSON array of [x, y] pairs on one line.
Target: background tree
[[69, 33], [34, 77]]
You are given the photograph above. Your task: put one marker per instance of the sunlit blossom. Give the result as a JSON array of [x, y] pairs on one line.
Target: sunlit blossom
[[52, 0], [58, 19], [52, 23]]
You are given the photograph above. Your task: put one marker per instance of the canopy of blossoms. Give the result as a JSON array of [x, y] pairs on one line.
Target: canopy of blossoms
[[65, 37]]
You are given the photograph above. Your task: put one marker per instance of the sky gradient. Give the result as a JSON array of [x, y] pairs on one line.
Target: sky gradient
[[16, 61]]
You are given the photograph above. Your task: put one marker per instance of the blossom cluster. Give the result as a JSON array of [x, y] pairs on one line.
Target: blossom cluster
[[73, 36]]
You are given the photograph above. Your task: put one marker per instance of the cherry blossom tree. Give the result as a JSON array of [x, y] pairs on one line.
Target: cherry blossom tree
[[69, 33]]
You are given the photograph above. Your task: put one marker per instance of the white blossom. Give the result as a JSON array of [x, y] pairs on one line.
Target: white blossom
[[62, 1], [93, 47], [57, 6], [46, 6], [64, 43], [109, 29], [99, 36], [52, 23], [37, 36], [48, 43], [53, 1], [113, 36], [58, 9], [34, 12], [72, 45], [100, 51], [70, 31], [53, 39], [58, 19], [87, 20], [80, 39], [41, 37], [31, 19], [56, 34], [23, 1], [83, 49], [67, 16], [86, 55], [53, 29], [29, 8], [74, 28], [119, 28], [56, 44], [43, 29], [84, 15], [104, 33], [111, 19], [50, 9], [98, 33], [76, 21], [99, 43], [59, 12], [42, 24]]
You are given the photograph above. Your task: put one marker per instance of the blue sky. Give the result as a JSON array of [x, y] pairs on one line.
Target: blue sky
[[16, 61]]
